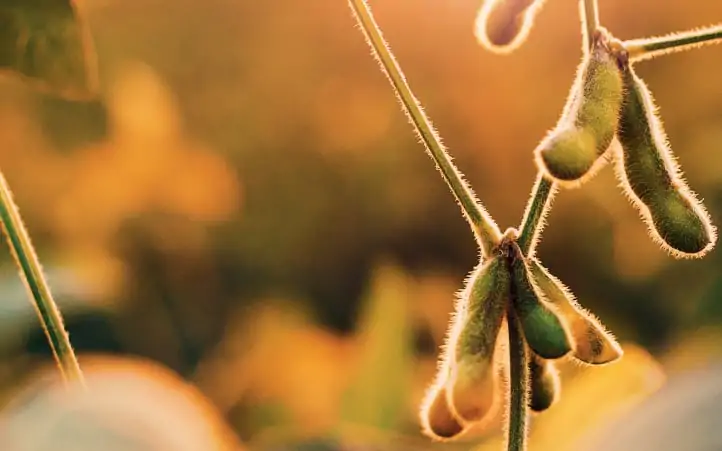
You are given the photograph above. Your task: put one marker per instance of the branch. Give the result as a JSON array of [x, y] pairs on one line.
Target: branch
[[648, 48], [484, 227]]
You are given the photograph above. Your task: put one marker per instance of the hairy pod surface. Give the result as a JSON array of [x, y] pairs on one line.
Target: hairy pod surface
[[543, 329], [593, 344], [572, 151], [652, 179], [503, 25], [544, 384], [437, 419], [472, 384]]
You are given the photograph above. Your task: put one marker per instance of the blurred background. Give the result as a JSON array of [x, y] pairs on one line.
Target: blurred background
[[247, 240]]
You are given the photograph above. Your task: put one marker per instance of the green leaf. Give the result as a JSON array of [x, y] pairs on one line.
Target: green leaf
[[45, 43], [377, 396]]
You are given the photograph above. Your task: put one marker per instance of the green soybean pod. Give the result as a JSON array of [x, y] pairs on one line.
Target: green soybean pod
[[544, 330], [503, 25], [592, 343], [544, 384], [651, 178], [472, 385], [572, 152]]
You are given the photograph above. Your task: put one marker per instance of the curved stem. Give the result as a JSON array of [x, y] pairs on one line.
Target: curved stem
[[484, 227], [32, 274], [648, 48], [519, 383], [536, 210]]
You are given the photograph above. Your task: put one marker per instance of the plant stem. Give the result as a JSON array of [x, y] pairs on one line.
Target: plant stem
[[589, 11], [484, 227], [647, 48], [535, 213], [519, 383], [32, 274]]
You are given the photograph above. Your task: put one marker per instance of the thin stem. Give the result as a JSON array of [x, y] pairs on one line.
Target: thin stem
[[32, 274], [519, 384], [536, 210], [590, 18], [485, 229], [648, 48]]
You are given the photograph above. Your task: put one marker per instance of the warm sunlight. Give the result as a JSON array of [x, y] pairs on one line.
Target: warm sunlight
[[462, 225]]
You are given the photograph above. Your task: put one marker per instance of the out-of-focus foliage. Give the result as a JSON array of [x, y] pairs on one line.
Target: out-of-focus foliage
[[223, 208], [45, 43], [129, 405]]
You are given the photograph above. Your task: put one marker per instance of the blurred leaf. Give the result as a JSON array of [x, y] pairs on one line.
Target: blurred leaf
[[131, 404], [46, 43], [69, 124], [682, 416], [378, 396]]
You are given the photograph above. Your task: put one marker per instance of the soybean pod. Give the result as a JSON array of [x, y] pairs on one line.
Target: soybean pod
[[592, 343], [544, 383], [437, 419], [503, 25], [676, 219], [573, 150], [472, 385]]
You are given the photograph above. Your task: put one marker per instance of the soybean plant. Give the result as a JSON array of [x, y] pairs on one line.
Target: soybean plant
[[609, 116]]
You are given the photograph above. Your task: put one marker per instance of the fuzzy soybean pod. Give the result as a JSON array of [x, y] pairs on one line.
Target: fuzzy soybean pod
[[544, 330], [652, 179], [472, 385], [592, 344], [437, 419], [544, 384], [573, 150], [503, 25]]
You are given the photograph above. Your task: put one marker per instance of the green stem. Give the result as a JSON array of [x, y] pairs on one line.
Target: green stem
[[519, 383], [535, 213], [31, 273], [647, 48], [484, 227], [589, 11]]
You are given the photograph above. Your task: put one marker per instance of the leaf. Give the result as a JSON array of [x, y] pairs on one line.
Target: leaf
[[377, 394], [46, 43]]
